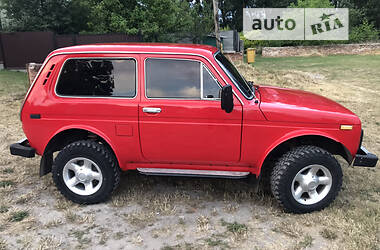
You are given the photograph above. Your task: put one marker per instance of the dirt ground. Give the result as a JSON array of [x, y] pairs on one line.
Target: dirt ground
[[192, 213]]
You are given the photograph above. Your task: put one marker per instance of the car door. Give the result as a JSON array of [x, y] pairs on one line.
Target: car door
[[180, 115]]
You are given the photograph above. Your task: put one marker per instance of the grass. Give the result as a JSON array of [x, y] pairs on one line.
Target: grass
[[235, 227], [18, 216], [217, 243], [4, 209], [328, 234], [334, 67], [306, 242], [81, 236], [3, 244], [154, 212], [12, 82], [6, 183], [7, 171]]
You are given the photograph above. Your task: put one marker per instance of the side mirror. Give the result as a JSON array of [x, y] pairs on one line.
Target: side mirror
[[227, 100]]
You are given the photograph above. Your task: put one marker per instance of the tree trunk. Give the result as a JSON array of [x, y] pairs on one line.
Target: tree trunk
[[216, 22]]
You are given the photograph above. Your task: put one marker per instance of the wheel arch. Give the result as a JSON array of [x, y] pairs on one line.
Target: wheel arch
[[324, 141], [67, 135]]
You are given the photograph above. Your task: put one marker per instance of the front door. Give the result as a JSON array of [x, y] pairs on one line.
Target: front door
[[180, 118]]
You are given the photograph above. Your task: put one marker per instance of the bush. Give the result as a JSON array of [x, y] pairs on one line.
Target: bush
[[364, 32], [258, 44]]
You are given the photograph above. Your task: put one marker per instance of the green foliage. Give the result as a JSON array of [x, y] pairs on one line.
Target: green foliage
[[171, 20], [6, 183], [371, 9], [159, 20], [201, 21], [235, 227], [56, 15], [312, 4], [155, 20], [18, 216], [4, 209], [13, 82], [364, 32]]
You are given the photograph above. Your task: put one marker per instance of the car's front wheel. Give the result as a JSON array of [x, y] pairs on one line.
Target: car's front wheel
[[306, 179], [86, 172]]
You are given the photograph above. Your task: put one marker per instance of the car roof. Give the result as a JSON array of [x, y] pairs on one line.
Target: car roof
[[200, 49]]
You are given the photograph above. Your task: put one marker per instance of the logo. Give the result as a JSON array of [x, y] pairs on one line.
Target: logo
[[295, 23], [289, 24], [326, 25]]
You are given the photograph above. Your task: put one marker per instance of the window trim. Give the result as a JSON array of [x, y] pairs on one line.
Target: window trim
[[177, 98], [231, 78], [216, 80], [98, 97]]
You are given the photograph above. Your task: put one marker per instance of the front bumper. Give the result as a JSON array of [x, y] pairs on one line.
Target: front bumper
[[22, 148], [364, 158]]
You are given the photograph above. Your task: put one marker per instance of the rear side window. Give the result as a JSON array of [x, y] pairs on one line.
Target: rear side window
[[180, 79], [98, 78]]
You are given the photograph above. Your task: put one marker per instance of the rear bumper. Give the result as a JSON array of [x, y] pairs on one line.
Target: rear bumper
[[364, 158], [22, 148]]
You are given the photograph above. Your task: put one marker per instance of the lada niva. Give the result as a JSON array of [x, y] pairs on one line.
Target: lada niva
[[182, 110]]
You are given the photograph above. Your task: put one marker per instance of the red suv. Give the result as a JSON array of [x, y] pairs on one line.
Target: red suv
[[183, 110]]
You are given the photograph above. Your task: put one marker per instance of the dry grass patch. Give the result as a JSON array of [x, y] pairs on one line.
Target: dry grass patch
[[54, 223], [203, 223], [306, 242], [328, 234], [141, 218], [49, 242], [3, 244]]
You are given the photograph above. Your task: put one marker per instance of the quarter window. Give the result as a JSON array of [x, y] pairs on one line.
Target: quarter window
[[98, 77], [180, 79], [211, 87]]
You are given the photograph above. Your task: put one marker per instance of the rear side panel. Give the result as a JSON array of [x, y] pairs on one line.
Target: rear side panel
[[35, 102], [114, 119]]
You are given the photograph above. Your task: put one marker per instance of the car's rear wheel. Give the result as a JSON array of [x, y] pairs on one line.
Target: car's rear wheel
[[86, 172], [306, 179]]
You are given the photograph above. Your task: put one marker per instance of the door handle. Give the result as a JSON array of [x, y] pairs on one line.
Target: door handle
[[152, 110]]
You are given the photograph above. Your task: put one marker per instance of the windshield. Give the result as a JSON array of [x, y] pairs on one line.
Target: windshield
[[234, 75]]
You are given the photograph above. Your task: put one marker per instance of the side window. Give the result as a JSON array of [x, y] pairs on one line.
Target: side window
[[171, 78], [180, 79], [98, 77], [211, 87]]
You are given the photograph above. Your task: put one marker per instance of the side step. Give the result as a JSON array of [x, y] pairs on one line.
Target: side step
[[193, 173]]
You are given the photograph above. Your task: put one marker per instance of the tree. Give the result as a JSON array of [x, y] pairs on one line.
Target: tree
[[370, 8], [160, 20], [312, 4], [232, 10], [111, 16], [155, 20], [201, 20], [56, 15]]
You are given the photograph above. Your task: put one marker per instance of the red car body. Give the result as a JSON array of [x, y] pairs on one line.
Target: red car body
[[187, 134]]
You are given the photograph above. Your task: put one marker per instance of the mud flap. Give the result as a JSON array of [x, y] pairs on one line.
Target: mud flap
[[46, 163]]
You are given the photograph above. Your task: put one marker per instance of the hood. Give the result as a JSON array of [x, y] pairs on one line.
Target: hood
[[288, 105]]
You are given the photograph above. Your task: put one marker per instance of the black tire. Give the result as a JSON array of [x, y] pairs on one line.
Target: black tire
[[290, 164], [99, 154]]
